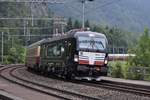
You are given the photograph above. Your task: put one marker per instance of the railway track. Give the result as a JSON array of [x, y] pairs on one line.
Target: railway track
[[132, 88], [125, 87], [7, 73]]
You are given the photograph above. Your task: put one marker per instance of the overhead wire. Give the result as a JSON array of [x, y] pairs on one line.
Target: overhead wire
[[78, 12], [103, 5]]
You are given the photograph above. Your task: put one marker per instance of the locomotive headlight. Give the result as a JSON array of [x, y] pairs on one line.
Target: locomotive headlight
[[106, 61], [76, 58]]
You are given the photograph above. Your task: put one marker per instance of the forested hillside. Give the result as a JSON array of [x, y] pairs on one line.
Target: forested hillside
[[16, 31], [129, 15]]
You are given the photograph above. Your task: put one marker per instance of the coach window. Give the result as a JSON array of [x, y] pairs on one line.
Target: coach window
[[55, 51], [50, 50], [69, 47], [60, 49]]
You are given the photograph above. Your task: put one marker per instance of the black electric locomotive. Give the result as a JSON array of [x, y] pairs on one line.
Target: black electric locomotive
[[81, 54]]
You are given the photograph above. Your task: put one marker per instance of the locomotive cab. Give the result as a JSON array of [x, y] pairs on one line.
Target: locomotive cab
[[91, 56]]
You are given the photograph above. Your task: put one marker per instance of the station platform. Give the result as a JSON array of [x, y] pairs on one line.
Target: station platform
[[126, 81]]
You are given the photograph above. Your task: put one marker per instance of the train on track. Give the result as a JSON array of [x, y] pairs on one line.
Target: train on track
[[79, 53]]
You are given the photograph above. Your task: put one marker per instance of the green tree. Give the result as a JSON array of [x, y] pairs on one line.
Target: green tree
[[16, 55], [142, 51], [117, 70]]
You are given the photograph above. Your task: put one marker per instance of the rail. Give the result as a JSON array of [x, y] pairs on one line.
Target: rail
[[44, 89]]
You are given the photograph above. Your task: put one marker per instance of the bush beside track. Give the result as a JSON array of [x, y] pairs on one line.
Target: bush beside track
[[122, 69]]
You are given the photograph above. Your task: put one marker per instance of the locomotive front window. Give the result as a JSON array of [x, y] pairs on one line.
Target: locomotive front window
[[92, 43]]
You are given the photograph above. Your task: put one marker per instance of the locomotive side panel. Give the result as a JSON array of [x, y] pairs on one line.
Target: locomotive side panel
[[55, 56]]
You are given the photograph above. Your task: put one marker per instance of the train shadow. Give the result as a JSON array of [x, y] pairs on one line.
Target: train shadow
[[60, 78]]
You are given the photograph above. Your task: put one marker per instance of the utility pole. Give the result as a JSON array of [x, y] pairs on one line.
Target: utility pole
[[24, 27], [27, 33], [32, 16], [12, 41], [83, 12], [2, 50]]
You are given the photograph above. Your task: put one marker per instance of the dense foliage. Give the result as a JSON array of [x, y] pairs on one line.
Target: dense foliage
[[15, 55], [142, 51], [118, 69], [137, 67]]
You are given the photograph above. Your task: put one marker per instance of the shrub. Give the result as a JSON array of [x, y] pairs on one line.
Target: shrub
[[115, 70], [15, 55]]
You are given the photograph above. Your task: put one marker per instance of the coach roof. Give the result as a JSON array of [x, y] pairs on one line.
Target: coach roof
[[74, 34], [87, 33], [68, 35]]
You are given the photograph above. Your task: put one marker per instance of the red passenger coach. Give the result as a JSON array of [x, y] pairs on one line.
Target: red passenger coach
[[33, 55]]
